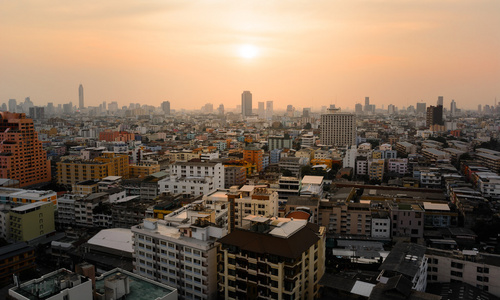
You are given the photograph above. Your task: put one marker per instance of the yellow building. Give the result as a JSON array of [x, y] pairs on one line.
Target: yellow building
[[15, 258], [31, 221], [174, 156], [327, 162], [86, 187], [143, 170], [108, 164]]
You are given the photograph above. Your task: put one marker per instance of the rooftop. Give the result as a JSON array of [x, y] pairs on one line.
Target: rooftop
[[115, 238]]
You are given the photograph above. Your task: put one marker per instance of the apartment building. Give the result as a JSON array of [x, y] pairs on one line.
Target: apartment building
[[195, 178], [407, 219], [338, 129], [433, 155], [488, 184], [276, 259], [234, 175], [183, 256], [31, 221], [108, 164], [489, 158], [14, 259], [405, 148], [481, 270], [293, 164], [254, 200], [22, 157], [376, 169], [32, 196], [143, 169], [398, 166], [253, 155]]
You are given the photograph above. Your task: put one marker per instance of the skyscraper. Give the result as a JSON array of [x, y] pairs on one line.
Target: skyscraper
[[246, 104], [21, 154], [12, 105], [453, 108], [269, 110], [80, 97], [165, 106], [261, 110], [434, 115], [338, 129], [421, 107], [440, 101], [358, 108]]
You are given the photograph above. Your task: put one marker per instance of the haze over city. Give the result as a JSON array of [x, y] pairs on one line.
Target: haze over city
[[290, 52]]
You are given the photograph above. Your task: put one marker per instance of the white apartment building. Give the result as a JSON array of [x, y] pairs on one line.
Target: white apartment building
[[477, 269], [182, 256], [349, 160], [338, 129], [381, 226], [195, 178], [488, 184], [397, 165], [361, 166]]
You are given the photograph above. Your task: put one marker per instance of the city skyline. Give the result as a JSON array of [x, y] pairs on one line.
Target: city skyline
[[294, 53]]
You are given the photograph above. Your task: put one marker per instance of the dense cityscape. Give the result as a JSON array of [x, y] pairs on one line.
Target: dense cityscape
[[250, 202]]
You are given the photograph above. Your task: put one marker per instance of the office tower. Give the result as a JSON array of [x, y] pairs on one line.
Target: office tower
[[27, 105], [305, 112], [479, 108], [165, 106], [104, 106], [440, 101], [21, 154], [80, 97], [221, 109], [113, 106], [208, 108], [391, 109], [421, 107], [269, 110], [338, 129], [68, 108], [261, 111], [4, 107], [453, 107], [358, 108], [434, 115], [246, 104], [50, 108], [37, 113], [289, 110], [12, 105], [367, 104]]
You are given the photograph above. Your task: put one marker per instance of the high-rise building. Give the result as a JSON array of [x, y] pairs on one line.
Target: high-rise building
[[338, 129], [12, 105], [306, 112], [21, 154], [358, 108], [37, 112], [253, 155], [246, 104], [367, 104], [479, 108], [221, 109], [269, 110], [453, 108], [80, 97], [434, 115], [165, 106], [261, 111], [440, 101], [391, 109], [104, 106], [421, 108], [290, 110]]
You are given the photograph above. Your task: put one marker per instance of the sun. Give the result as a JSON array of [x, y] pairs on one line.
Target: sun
[[248, 51]]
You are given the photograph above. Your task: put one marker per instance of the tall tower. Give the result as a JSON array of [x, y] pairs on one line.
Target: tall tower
[[246, 104], [80, 97], [338, 129], [165, 106], [21, 154], [440, 101], [453, 107], [269, 110], [261, 110]]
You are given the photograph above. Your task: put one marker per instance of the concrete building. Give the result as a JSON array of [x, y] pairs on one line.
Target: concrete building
[[405, 148], [234, 175], [469, 266], [195, 178], [21, 155], [398, 166], [338, 129], [108, 164], [253, 155], [14, 259], [183, 256], [407, 220], [246, 104], [269, 110], [293, 164], [31, 221], [279, 142], [81, 103], [276, 259], [165, 107]]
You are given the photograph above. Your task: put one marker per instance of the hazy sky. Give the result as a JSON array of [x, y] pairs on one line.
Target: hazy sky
[[305, 53]]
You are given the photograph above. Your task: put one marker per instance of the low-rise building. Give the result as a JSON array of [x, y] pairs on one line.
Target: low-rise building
[[31, 221]]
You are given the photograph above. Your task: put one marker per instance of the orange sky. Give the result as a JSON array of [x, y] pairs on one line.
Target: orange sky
[[309, 53]]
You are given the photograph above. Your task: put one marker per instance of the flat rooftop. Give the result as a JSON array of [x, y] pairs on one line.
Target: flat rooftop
[[140, 287]]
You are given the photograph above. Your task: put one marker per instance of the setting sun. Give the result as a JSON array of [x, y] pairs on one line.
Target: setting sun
[[248, 51]]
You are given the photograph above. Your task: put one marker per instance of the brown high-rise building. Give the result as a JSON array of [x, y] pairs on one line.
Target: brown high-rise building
[[21, 154]]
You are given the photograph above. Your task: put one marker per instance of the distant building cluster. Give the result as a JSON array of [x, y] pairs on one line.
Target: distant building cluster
[[144, 202]]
